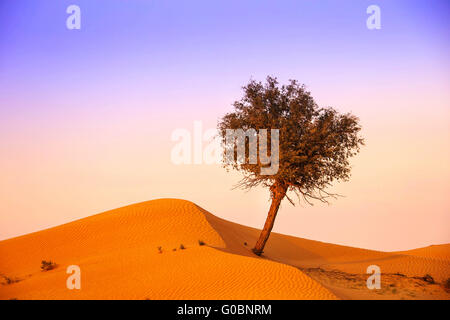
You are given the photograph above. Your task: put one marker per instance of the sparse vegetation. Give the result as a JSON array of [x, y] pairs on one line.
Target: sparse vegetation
[[428, 278], [201, 243], [9, 280], [174, 249], [446, 284], [182, 247], [47, 265], [159, 249], [245, 243]]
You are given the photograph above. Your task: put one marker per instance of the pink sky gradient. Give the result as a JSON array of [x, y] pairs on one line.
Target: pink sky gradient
[[85, 122]]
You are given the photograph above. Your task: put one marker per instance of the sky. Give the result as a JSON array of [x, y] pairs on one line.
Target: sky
[[86, 116]]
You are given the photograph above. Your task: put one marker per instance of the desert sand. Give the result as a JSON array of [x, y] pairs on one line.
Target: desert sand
[[117, 252]]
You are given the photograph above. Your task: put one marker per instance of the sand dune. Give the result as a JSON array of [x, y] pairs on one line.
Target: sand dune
[[342, 269], [117, 252]]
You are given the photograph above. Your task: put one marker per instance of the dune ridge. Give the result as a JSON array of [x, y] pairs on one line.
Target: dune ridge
[[118, 254]]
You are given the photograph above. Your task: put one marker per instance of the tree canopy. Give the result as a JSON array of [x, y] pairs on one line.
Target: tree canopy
[[315, 144]]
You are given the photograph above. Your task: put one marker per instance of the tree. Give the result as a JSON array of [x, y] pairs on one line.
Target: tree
[[315, 144]]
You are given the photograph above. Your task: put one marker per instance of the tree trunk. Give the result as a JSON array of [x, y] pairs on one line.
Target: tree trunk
[[278, 191]]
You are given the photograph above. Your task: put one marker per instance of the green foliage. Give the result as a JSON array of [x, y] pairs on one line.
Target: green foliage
[[315, 143]]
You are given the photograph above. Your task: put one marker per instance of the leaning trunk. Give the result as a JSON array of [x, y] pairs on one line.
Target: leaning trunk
[[278, 193]]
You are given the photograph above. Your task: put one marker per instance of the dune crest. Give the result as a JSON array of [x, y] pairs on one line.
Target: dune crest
[[118, 254], [174, 249]]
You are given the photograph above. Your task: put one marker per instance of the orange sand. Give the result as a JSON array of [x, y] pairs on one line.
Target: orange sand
[[118, 256]]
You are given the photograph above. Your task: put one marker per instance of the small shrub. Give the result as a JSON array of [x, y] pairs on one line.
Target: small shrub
[[428, 278], [47, 265], [174, 249], [447, 284], [201, 243], [182, 247], [9, 280], [245, 243], [159, 249]]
